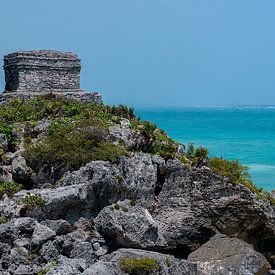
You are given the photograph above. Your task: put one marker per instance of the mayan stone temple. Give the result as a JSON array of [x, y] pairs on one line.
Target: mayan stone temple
[[32, 73]]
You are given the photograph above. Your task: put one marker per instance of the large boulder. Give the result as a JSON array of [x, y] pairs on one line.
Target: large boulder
[[129, 226], [223, 255], [61, 227], [20, 171], [69, 202], [41, 234], [192, 205], [66, 266]]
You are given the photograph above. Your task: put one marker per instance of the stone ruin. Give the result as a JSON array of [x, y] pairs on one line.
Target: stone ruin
[[32, 73], [39, 71]]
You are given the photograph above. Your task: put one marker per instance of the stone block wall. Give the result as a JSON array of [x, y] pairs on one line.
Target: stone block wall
[[40, 71]]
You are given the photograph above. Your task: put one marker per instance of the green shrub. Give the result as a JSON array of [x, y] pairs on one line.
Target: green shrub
[[122, 111], [125, 209], [233, 170], [168, 262], [32, 201], [109, 152], [201, 155], [144, 265], [9, 188], [190, 152], [6, 128], [3, 156], [116, 206], [157, 141], [4, 219], [42, 272], [147, 128], [73, 143], [164, 149], [237, 173], [133, 203], [183, 159], [70, 128], [197, 156], [48, 106], [118, 178]]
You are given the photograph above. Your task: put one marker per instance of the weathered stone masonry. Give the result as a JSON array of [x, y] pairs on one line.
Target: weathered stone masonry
[[32, 73], [40, 71]]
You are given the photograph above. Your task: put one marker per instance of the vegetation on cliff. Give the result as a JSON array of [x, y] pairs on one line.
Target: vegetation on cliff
[[77, 133], [75, 210]]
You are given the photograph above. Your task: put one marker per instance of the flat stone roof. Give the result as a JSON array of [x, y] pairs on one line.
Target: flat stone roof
[[42, 54]]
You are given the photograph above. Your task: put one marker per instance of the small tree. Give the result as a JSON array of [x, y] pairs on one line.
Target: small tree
[[190, 151], [201, 155]]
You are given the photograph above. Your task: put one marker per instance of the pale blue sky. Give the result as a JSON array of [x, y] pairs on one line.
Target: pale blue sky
[[159, 52]]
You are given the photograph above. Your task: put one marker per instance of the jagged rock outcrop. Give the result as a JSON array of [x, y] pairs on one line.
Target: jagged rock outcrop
[[189, 209], [71, 220], [169, 208], [27, 245]]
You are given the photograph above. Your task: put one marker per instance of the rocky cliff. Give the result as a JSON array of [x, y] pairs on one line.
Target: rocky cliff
[[91, 189]]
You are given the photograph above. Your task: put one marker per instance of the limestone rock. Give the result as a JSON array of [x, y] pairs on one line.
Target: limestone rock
[[132, 177], [25, 224], [100, 250], [49, 252], [67, 266], [129, 226], [42, 126], [83, 250], [122, 133], [42, 234], [223, 255], [164, 206], [167, 264], [7, 232], [5, 173], [68, 202], [3, 142], [23, 270], [20, 171], [187, 207], [60, 227], [29, 245]]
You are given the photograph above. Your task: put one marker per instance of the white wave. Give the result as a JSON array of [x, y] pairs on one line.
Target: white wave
[[238, 107], [260, 167]]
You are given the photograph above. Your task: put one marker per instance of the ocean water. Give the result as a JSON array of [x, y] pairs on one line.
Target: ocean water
[[239, 133]]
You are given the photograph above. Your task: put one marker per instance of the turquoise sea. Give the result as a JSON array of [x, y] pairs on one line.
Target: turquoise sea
[[244, 133]]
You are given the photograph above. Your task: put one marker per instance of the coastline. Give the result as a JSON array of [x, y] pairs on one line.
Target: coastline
[[231, 132]]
